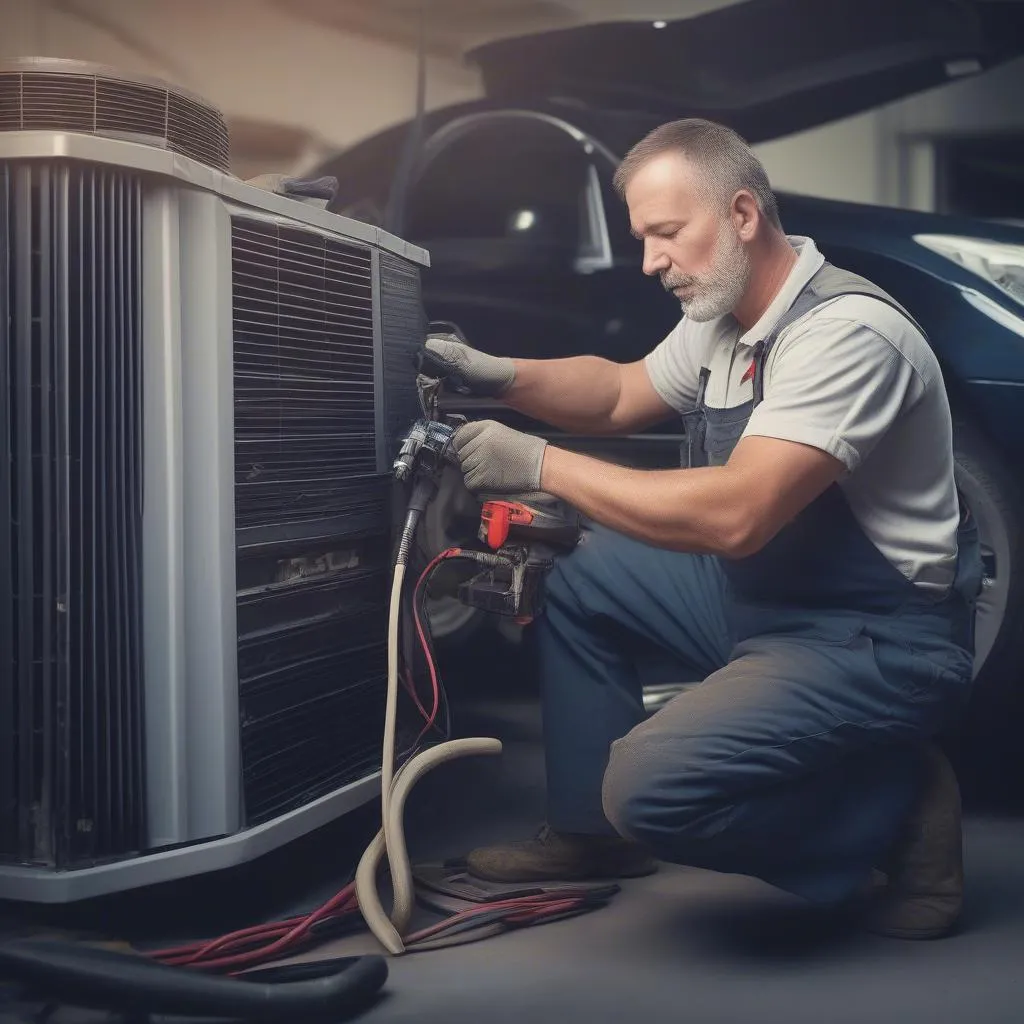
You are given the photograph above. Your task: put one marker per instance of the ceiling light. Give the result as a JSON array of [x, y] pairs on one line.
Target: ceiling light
[[661, 24]]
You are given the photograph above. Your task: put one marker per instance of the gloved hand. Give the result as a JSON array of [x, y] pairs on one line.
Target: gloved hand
[[484, 374], [497, 459]]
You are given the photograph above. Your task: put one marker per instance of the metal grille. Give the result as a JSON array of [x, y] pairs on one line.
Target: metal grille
[[71, 759], [312, 517], [403, 327], [109, 105], [304, 397], [312, 664]]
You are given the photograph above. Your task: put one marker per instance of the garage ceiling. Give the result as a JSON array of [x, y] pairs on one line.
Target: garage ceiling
[[454, 26]]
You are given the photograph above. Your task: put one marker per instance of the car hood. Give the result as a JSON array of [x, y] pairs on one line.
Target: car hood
[[765, 67]]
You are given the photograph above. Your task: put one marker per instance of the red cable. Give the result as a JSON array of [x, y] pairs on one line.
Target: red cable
[[527, 910], [515, 903], [530, 909], [258, 931], [198, 949], [410, 689], [435, 684], [529, 916], [199, 954]]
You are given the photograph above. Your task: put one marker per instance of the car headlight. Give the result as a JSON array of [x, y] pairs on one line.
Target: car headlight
[[1001, 263]]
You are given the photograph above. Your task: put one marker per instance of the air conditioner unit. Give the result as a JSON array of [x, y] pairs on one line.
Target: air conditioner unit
[[202, 387]]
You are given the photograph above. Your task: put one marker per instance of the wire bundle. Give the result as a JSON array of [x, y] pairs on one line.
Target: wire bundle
[[495, 916], [251, 947], [262, 943]]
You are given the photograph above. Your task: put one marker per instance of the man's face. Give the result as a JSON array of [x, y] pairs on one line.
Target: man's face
[[689, 238]]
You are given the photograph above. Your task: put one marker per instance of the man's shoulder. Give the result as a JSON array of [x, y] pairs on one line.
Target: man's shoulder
[[872, 311], [855, 320]]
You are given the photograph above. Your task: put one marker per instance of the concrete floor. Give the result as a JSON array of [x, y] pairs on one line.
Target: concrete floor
[[681, 945], [691, 945]]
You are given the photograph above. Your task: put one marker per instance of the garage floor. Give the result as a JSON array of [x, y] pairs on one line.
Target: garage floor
[[679, 945]]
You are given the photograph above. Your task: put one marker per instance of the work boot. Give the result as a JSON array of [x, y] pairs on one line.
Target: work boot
[[923, 888], [560, 856]]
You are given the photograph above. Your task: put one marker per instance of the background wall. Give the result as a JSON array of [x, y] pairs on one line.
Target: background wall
[[292, 91], [888, 155]]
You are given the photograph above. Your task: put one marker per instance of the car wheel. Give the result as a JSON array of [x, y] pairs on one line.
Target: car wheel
[[984, 745], [451, 519], [994, 498]]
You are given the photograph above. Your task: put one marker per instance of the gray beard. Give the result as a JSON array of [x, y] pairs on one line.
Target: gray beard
[[720, 290]]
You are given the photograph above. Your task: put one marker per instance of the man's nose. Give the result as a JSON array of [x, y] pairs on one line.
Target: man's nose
[[655, 258]]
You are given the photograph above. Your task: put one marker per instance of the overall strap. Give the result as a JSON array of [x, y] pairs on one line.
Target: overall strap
[[702, 387], [830, 282]]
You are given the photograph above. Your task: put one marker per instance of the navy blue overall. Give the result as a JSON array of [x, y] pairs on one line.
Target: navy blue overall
[[796, 760]]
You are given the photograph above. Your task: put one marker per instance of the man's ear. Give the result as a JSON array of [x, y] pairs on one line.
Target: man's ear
[[746, 215]]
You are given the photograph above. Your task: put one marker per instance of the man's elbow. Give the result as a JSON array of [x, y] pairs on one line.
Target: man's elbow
[[744, 534]]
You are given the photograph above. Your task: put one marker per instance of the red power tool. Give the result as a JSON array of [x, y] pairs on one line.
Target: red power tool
[[525, 534]]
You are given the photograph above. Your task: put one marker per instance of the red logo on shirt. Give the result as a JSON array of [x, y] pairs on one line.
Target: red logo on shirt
[[749, 375]]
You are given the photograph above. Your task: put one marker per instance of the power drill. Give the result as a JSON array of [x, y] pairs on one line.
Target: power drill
[[524, 535]]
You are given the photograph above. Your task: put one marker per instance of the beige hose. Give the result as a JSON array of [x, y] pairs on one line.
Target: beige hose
[[395, 789]]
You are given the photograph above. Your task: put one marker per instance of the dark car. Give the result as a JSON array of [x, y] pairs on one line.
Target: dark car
[[531, 253]]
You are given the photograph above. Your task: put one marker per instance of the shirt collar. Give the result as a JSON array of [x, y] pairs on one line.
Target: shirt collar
[[809, 261]]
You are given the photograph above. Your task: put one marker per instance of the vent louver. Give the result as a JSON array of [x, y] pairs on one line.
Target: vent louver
[[304, 390], [65, 95], [403, 328], [71, 758], [311, 515]]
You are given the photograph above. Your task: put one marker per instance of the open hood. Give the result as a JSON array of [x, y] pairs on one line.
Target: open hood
[[765, 67]]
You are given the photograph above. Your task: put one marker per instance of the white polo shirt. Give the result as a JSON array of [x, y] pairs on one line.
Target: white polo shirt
[[856, 379]]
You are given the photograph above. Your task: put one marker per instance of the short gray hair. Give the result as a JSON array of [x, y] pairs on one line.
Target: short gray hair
[[723, 159]]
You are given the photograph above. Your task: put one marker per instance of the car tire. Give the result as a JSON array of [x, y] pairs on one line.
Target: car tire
[[984, 744], [995, 499]]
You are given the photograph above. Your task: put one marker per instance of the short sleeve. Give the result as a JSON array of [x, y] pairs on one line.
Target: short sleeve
[[837, 385], [674, 369]]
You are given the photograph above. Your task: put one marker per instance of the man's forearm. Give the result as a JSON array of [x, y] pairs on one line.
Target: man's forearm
[[702, 511], [578, 394]]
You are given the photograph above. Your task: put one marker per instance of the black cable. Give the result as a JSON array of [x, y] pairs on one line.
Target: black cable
[[78, 975]]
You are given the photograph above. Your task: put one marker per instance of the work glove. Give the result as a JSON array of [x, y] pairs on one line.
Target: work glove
[[497, 459], [447, 354]]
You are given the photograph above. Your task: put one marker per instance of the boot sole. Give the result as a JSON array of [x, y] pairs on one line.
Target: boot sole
[[872, 921]]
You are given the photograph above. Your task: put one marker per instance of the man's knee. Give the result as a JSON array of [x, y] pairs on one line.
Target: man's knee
[[622, 788], [658, 792]]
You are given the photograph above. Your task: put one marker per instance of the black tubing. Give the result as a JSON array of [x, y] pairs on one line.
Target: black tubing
[[98, 978]]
